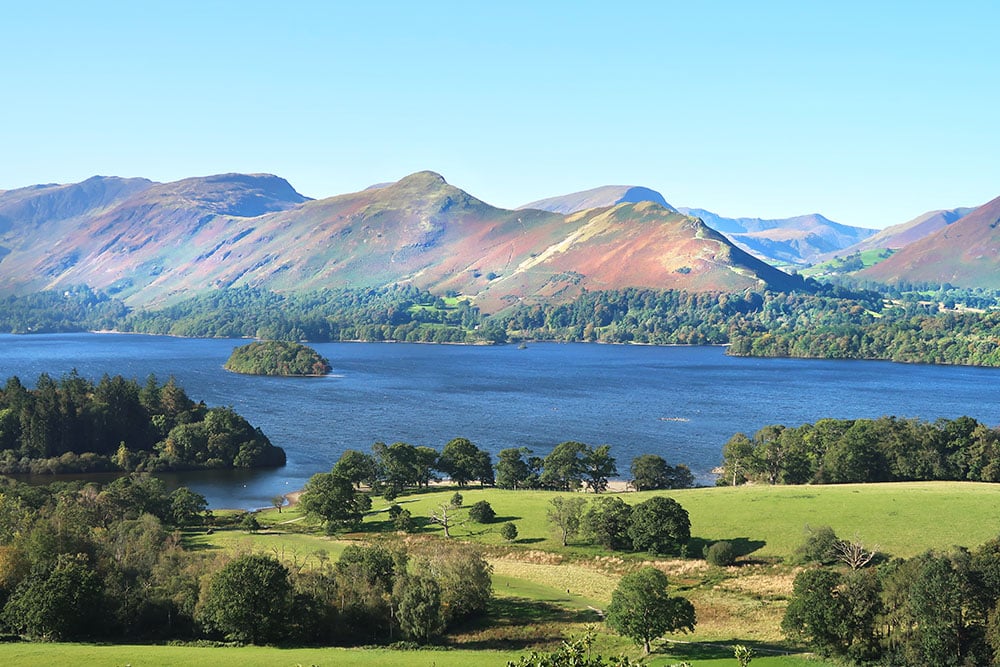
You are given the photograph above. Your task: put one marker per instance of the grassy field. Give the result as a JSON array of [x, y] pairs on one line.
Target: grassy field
[[91, 655], [904, 519], [545, 592]]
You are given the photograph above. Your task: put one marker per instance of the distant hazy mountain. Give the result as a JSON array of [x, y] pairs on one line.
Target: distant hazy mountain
[[898, 236], [798, 240], [965, 253], [164, 242], [608, 195]]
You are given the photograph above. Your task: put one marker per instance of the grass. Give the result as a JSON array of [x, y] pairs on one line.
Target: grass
[[544, 592], [904, 519], [85, 655], [97, 655]]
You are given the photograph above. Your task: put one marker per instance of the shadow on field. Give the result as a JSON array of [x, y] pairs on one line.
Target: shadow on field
[[515, 623], [689, 651], [743, 546]]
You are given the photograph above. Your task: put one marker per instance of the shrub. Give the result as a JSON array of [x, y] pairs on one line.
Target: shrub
[[721, 553], [508, 531], [820, 546], [482, 512]]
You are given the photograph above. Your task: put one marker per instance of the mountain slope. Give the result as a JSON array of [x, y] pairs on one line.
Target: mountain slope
[[173, 240], [38, 204], [898, 236], [798, 240], [965, 253], [602, 197]]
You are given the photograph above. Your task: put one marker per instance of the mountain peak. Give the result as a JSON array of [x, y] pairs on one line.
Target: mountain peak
[[242, 195], [606, 195], [422, 179]]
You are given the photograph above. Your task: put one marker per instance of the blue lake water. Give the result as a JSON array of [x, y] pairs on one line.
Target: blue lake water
[[682, 403]]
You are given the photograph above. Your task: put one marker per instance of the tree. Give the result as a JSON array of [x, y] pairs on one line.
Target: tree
[[464, 577], [598, 466], [446, 516], [186, 506], [649, 472], [820, 546], [643, 610], [816, 613], [606, 522], [418, 607], [249, 522], [398, 465], [563, 468], [512, 470], [463, 462], [660, 526], [61, 601], [508, 531], [278, 502], [355, 466], [334, 501], [482, 512], [739, 463], [565, 515], [248, 600]]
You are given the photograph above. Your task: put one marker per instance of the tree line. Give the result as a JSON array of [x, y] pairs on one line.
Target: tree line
[[818, 321], [77, 425], [84, 561], [939, 608], [887, 449], [389, 469]]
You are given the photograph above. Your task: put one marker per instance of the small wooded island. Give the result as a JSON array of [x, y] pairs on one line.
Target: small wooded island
[[275, 357]]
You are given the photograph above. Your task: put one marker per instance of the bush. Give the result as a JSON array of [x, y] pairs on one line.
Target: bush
[[721, 554], [508, 531], [456, 500], [820, 546], [482, 512]]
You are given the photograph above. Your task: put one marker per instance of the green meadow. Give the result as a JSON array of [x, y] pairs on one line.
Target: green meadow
[[544, 592], [903, 519]]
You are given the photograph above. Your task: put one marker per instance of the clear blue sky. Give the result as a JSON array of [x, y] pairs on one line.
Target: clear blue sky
[[868, 112]]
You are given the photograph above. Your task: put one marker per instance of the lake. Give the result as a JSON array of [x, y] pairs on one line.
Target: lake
[[682, 403]]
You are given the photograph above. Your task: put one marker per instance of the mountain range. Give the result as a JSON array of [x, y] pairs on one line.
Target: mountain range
[[964, 253], [793, 241], [153, 243]]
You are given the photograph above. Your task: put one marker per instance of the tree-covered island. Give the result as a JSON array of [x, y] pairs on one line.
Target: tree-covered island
[[275, 357]]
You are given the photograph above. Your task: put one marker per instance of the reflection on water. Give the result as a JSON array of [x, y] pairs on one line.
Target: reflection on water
[[682, 403]]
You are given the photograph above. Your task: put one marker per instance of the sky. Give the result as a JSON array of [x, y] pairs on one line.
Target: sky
[[870, 113]]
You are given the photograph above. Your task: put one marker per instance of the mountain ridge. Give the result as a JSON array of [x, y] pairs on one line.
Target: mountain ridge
[[964, 253], [167, 241]]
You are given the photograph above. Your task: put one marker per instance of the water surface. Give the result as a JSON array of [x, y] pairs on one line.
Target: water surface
[[682, 403]]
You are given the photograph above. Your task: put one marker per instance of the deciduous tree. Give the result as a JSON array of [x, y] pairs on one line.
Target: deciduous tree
[[642, 609]]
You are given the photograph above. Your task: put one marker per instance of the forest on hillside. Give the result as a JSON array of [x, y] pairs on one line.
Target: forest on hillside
[[924, 324]]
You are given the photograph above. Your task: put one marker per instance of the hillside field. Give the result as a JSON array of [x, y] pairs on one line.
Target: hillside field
[[544, 592]]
